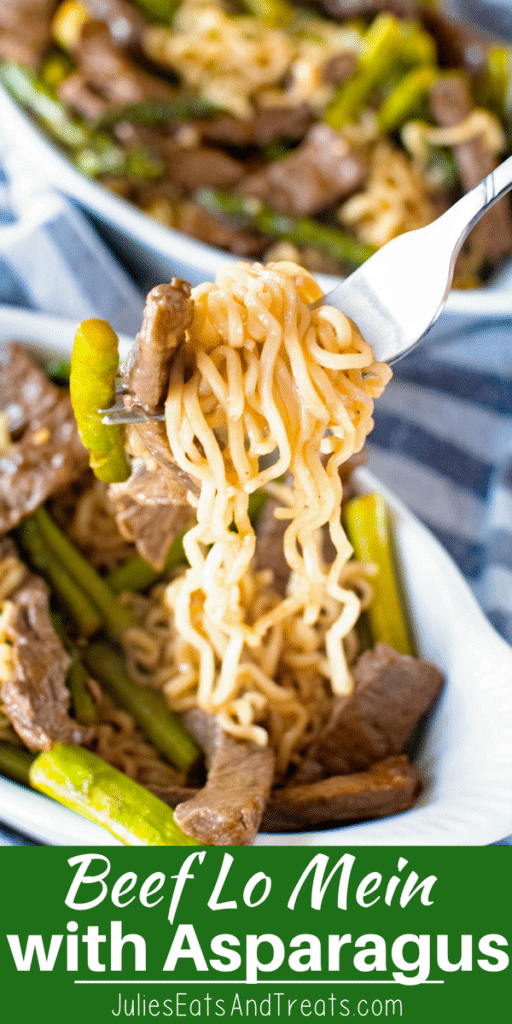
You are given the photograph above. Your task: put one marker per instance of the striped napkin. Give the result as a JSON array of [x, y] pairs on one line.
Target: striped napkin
[[51, 259], [443, 442], [443, 428]]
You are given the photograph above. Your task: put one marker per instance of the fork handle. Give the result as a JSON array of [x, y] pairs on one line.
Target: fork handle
[[464, 214]]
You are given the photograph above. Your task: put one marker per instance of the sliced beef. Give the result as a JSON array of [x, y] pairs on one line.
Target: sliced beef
[[451, 104], [228, 810], [391, 692], [195, 221], [151, 510], [167, 314], [35, 698], [458, 45], [76, 93], [46, 453], [25, 29], [338, 68], [269, 552], [388, 787], [112, 73], [201, 166], [267, 125], [152, 435], [321, 171], [125, 23]]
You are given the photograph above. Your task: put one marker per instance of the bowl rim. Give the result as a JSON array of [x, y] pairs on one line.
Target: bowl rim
[[463, 822]]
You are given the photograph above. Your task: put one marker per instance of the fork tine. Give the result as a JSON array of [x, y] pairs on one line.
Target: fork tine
[[117, 414]]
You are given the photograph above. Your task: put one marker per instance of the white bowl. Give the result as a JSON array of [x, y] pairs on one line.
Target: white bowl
[[154, 253], [465, 756]]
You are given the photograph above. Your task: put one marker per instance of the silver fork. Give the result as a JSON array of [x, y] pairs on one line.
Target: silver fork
[[399, 293]]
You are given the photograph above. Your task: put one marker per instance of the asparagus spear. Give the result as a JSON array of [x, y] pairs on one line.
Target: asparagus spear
[[28, 90], [387, 45], [366, 521], [137, 574], [82, 610], [299, 230], [146, 705], [380, 46], [92, 386], [151, 112], [274, 13], [54, 69], [93, 152], [404, 100], [161, 10], [15, 762], [83, 705], [496, 79], [114, 617], [416, 46], [87, 784], [103, 157]]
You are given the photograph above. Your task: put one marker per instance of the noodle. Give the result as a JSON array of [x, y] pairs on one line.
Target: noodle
[[261, 373], [417, 136], [117, 741], [94, 529], [235, 61], [12, 573], [227, 58], [394, 200]]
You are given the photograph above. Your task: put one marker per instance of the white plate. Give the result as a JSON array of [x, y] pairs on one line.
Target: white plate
[[465, 756], [155, 253]]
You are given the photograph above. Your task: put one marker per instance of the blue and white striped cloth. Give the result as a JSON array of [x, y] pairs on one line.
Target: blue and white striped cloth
[[443, 428], [443, 442]]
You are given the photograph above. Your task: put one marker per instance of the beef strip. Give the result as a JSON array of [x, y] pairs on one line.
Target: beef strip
[[25, 29], [200, 166], [266, 125], [451, 104], [153, 437], [388, 787], [338, 68], [46, 452], [76, 92], [35, 698], [195, 221], [269, 552], [151, 510], [321, 171], [228, 810], [110, 71], [458, 45], [391, 692], [167, 315]]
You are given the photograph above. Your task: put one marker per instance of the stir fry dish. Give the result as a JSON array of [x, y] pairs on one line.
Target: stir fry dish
[[205, 637], [267, 128]]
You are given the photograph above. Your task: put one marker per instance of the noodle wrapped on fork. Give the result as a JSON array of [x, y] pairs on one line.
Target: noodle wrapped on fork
[[262, 374]]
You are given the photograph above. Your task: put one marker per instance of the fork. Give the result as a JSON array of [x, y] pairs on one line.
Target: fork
[[399, 293]]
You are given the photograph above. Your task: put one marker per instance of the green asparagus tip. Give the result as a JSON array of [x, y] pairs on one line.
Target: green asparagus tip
[[85, 783]]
